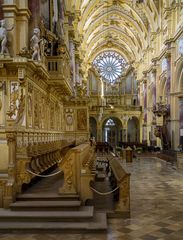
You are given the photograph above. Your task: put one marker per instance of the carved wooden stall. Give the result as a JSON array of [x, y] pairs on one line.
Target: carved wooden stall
[[120, 180], [35, 159], [77, 166]]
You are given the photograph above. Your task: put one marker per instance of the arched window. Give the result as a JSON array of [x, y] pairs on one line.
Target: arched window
[[110, 65], [110, 122]]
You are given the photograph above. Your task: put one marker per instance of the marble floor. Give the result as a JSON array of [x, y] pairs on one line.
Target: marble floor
[[156, 207]]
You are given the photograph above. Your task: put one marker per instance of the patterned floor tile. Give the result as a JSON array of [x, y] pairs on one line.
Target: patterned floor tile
[[156, 207]]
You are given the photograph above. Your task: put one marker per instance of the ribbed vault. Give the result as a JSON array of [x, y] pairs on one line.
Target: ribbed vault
[[125, 26]]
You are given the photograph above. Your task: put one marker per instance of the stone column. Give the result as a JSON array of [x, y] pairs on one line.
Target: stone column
[[181, 119], [144, 127], [72, 59], [138, 93], [125, 135], [168, 88], [168, 81], [77, 67], [99, 132], [153, 137]]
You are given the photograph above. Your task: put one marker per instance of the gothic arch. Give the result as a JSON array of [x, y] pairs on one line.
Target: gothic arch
[[133, 130], [112, 133], [93, 127], [179, 76]]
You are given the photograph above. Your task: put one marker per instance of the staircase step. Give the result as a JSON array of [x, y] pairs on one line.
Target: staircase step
[[45, 205], [85, 213], [46, 196], [98, 224]]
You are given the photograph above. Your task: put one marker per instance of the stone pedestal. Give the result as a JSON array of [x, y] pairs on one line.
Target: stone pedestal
[[129, 155]]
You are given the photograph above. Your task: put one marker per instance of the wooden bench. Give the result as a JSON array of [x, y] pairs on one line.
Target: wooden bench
[[120, 179], [38, 158]]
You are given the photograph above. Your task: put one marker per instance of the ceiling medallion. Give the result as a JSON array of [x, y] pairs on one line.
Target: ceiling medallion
[[109, 44]]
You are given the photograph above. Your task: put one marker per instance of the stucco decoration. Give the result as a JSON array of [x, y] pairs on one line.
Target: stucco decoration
[[81, 119]]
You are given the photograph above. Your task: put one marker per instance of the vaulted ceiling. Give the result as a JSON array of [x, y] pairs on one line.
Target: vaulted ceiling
[[122, 25]]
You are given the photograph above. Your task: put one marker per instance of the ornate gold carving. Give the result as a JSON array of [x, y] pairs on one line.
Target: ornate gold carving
[[69, 119], [81, 90], [14, 99], [68, 176], [21, 108], [22, 175], [24, 52], [81, 119], [124, 191], [36, 109], [42, 111], [11, 137]]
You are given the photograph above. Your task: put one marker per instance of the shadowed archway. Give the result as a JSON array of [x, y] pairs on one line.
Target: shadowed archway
[[133, 135], [112, 131]]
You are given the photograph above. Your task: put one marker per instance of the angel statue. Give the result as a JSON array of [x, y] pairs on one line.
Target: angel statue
[[3, 36], [35, 44]]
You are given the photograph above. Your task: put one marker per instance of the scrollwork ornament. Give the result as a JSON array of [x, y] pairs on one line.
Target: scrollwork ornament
[[11, 137]]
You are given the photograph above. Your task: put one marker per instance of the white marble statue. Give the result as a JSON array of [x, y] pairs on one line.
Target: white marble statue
[[35, 44], [3, 36]]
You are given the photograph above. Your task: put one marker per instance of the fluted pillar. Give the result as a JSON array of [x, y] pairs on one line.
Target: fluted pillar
[[168, 82], [72, 60], [181, 119], [153, 125], [168, 88], [77, 66], [144, 127]]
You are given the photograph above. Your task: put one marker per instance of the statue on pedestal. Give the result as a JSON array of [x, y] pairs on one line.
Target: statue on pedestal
[[3, 36], [35, 44]]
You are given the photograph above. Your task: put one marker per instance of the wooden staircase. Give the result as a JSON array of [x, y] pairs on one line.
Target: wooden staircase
[[51, 213]]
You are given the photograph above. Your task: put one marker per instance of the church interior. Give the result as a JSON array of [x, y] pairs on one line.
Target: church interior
[[91, 119]]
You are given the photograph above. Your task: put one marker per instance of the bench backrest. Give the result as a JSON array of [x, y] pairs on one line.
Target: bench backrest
[[117, 170]]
